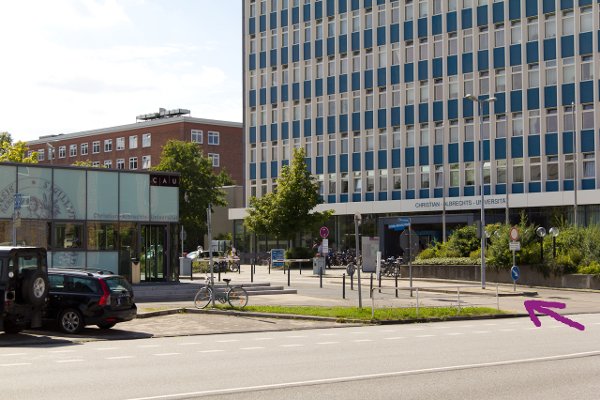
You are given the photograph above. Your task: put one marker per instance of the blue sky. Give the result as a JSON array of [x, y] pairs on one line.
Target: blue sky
[[74, 65]]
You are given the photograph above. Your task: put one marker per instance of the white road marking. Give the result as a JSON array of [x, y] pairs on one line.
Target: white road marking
[[362, 340], [480, 332], [210, 351], [73, 360], [263, 338], [252, 348], [291, 345], [14, 364], [12, 354], [395, 338], [424, 336], [165, 354], [454, 333], [324, 343], [495, 324], [296, 336], [118, 357], [228, 341]]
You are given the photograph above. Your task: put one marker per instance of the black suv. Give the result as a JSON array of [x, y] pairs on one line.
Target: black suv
[[23, 287], [78, 298]]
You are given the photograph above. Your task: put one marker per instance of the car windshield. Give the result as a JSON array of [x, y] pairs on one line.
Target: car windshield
[[118, 283]]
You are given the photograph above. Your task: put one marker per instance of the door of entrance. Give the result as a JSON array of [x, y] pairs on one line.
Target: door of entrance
[[154, 238]]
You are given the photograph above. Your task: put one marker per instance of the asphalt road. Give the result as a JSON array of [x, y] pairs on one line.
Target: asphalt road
[[484, 359]]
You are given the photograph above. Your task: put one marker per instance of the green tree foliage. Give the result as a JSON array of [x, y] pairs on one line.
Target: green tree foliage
[[87, 163], [288, 212], [15, 152], [462, 242], [199, 186]]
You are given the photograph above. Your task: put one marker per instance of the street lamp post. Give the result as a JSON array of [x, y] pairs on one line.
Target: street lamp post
[[50, 153], [473, 98], [357, 221], [575, 184]]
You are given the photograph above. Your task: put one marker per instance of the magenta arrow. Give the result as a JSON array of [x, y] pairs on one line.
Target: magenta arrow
[[542, 307]]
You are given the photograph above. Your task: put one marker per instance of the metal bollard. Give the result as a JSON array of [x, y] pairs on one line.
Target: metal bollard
[[396, 278], [351, 282], [219, 268], [300, 267], [379, 283], [371, 285], [343, 286], [289, 276], [252, 273], [269, 266], [320, 277]]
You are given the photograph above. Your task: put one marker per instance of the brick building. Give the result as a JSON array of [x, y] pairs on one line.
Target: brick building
[[138, 146]]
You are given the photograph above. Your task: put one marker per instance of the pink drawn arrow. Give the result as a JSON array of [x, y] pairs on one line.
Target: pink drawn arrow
[[542, 307]]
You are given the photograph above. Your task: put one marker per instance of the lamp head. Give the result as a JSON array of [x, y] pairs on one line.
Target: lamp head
[[541, 232], [471, 97], [357, 218], [554, 231]]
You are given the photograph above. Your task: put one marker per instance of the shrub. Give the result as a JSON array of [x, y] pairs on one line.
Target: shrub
[[592, 268], [426, 254], [300, 253]]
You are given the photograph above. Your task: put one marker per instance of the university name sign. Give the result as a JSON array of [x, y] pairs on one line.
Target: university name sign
[[164, 180], [454, 203]]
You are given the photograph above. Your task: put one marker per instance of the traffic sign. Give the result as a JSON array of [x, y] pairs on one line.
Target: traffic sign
[[324, 232], [514, 246], [514, 234], [18, 201], [515, 273]]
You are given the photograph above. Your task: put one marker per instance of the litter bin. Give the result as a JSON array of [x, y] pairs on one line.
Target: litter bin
[[135, 271], [318, 265], [185, 266]]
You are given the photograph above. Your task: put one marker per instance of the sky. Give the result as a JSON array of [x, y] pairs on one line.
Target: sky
[[74, 65]]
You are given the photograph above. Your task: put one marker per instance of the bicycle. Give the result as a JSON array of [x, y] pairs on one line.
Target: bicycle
[[236, 296]]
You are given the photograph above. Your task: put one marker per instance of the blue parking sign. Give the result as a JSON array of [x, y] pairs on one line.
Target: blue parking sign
[[18, 201]]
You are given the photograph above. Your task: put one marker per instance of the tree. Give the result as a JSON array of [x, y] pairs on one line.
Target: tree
[[198, 187], [288, 211], [87, 163], [15, 152]]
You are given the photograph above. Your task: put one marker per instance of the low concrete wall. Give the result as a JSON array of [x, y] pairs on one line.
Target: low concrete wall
[[529, 276]]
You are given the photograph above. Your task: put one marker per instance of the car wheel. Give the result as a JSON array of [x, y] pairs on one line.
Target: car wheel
[[70, 321], [106, 325], [35, 287]]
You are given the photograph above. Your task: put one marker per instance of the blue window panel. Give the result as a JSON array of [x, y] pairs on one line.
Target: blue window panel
[[438, 154], [498, 57], [469, 191], [551, 186], [252, 26], [423, 155], [501, 189], [567, 46], [356, 197], [566, 4], [423, 193], [263, 170], [342, 6], [438, 192], [382, 118], [369, 197], [588, 184], [549, 49], [533, 52], [381, 36], [436, 24], [262, 59], [451, 22], [295, 15], [330, 46], [331, 124], [318, 49], [285, 162], [355, 161], [422, 27], [284, 93], [422, 68], [453, 152], [409, 115], [343, 82], [396, 116], [307, 89], [438, 110], [344, 163], [409, 157], [318, 165], [382, 159], [396, 195], [273, 132], [252, 62], [516, 147], [308, 162], [306, 52], [273, 169], [262, 23], [369, 120], [296, 53], [284, 18], [486, 149], [273, 20], [586, 92], [354, 4], [318, 10], [531, 8], [517, 188], [319, 125], [395, 74], [534, 187], [437, 67], [467, 18], [585, 43], [408, 30], [467, 107], [381, 74], [319, 87], [355, 41], [253, 134], [452, 65], [343, 44], [296, 129], [567, 142], [409, 72], [516, 100], [356, 121], [273, 94], [368, 38], [343, 120], [369, 156], [515, 54], [252, 98], [355, 80], [343, 198], [330, 7], [283, 56], [423, 112], [500, 149], [453, 192], [587, 141], [467, 63], [296, 91], [262, 96], [483, 60], [482, 15], [548, 6], [285, 130], [514, 9], [497, 12], [585, 2], [453, 109], [368, 79], [382, 196], [253, 171], [331, 164], [396, 158], [550, 96], [394, 33], [307, 127], [568, 94], [468, 151], [533, 99], [551, 144], [533, 146], [500, 103]]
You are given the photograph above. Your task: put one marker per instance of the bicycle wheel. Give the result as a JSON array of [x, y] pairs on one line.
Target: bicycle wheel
[[237, 297], [234, 266], [203, 297]]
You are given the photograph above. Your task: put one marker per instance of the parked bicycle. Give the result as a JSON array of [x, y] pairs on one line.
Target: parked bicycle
[[236, 296]]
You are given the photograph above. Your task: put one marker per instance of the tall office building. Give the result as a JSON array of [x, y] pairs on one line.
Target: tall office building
[[377, 93]]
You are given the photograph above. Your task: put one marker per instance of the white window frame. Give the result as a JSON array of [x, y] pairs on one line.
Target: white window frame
[[215, 159], [197, 136], [214, 138], [146, 140]]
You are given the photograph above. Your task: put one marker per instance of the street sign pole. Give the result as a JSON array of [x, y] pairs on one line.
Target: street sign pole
[[18, 199]]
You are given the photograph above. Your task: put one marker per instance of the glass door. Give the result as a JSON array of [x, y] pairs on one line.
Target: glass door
[[153, 252]]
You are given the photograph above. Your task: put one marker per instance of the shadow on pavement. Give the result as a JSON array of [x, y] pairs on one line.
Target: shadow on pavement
[[49, 337]]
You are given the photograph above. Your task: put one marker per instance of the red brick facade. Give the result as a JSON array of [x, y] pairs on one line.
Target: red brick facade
[[228, 143]]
